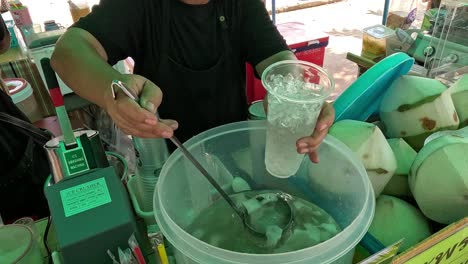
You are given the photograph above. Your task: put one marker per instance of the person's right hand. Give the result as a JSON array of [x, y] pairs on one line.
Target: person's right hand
[[138, 119]]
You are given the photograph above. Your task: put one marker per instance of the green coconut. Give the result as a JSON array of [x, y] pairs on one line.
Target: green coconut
[[438, 178], [396, 219], [459, 91], [415, 107], [405, 155], [367, 141]]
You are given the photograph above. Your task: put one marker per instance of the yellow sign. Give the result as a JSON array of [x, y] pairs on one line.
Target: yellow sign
[[385, 256], [449, 246]]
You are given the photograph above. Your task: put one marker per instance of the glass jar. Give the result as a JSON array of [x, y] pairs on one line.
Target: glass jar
[[374, 41]]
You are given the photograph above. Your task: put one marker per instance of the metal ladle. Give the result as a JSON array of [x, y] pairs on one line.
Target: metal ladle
[[283, 216]]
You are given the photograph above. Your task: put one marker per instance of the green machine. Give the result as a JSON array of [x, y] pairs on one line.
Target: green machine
[[89, 204]]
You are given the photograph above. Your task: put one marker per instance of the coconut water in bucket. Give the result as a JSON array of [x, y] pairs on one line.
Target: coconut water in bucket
[[338, 185]]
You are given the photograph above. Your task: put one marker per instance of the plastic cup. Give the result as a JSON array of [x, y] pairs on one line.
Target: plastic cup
[[151, 152], [145, 192], [146, 178], [296, 93]]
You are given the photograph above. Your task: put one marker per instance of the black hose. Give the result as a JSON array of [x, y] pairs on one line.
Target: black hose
[[46, 233]]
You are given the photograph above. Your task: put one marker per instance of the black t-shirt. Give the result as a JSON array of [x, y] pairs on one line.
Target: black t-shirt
[[12, 142], [132, 28], [24, 169], [3, 29], [199, 52], [195, 53]]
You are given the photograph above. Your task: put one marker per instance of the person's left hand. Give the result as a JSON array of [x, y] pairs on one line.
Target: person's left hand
[[310, 145]]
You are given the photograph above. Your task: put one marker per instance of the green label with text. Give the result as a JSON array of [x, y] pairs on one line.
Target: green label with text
[[452, 250], [84, 197], [76, 161]]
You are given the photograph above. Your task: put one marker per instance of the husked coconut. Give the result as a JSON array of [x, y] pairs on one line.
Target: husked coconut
[[439, 179], [459, 91], [395, 219], [415, 107], [405, 155], [369, 144]]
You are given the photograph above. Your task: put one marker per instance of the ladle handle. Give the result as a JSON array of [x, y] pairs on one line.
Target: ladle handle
[[205, 173], [184, 150]]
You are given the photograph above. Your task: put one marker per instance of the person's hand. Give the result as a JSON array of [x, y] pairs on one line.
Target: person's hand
[[138, 119], [310, 145]]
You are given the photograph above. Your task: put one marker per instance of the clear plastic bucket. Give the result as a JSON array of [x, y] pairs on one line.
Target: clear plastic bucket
[[17, 245], [339, 184]]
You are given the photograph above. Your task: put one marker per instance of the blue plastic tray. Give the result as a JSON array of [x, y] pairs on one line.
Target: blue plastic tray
[[362, 99]]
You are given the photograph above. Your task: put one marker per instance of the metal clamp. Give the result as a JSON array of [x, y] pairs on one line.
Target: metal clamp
[[122, 86]]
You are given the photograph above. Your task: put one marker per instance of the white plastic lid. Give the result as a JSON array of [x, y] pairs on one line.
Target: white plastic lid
[[20, 89]]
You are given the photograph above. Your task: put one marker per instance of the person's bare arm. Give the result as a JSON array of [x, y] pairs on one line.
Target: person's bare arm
[[81, 62]]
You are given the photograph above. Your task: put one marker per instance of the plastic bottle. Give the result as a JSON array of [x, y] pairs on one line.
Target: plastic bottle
[[20, 14]]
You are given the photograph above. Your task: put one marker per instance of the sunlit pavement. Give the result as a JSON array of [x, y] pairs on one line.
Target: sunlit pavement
[[343, 23]]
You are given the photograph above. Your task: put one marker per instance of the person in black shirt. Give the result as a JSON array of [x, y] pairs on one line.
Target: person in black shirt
[[191, 51], [5, 37], [24, 166]]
